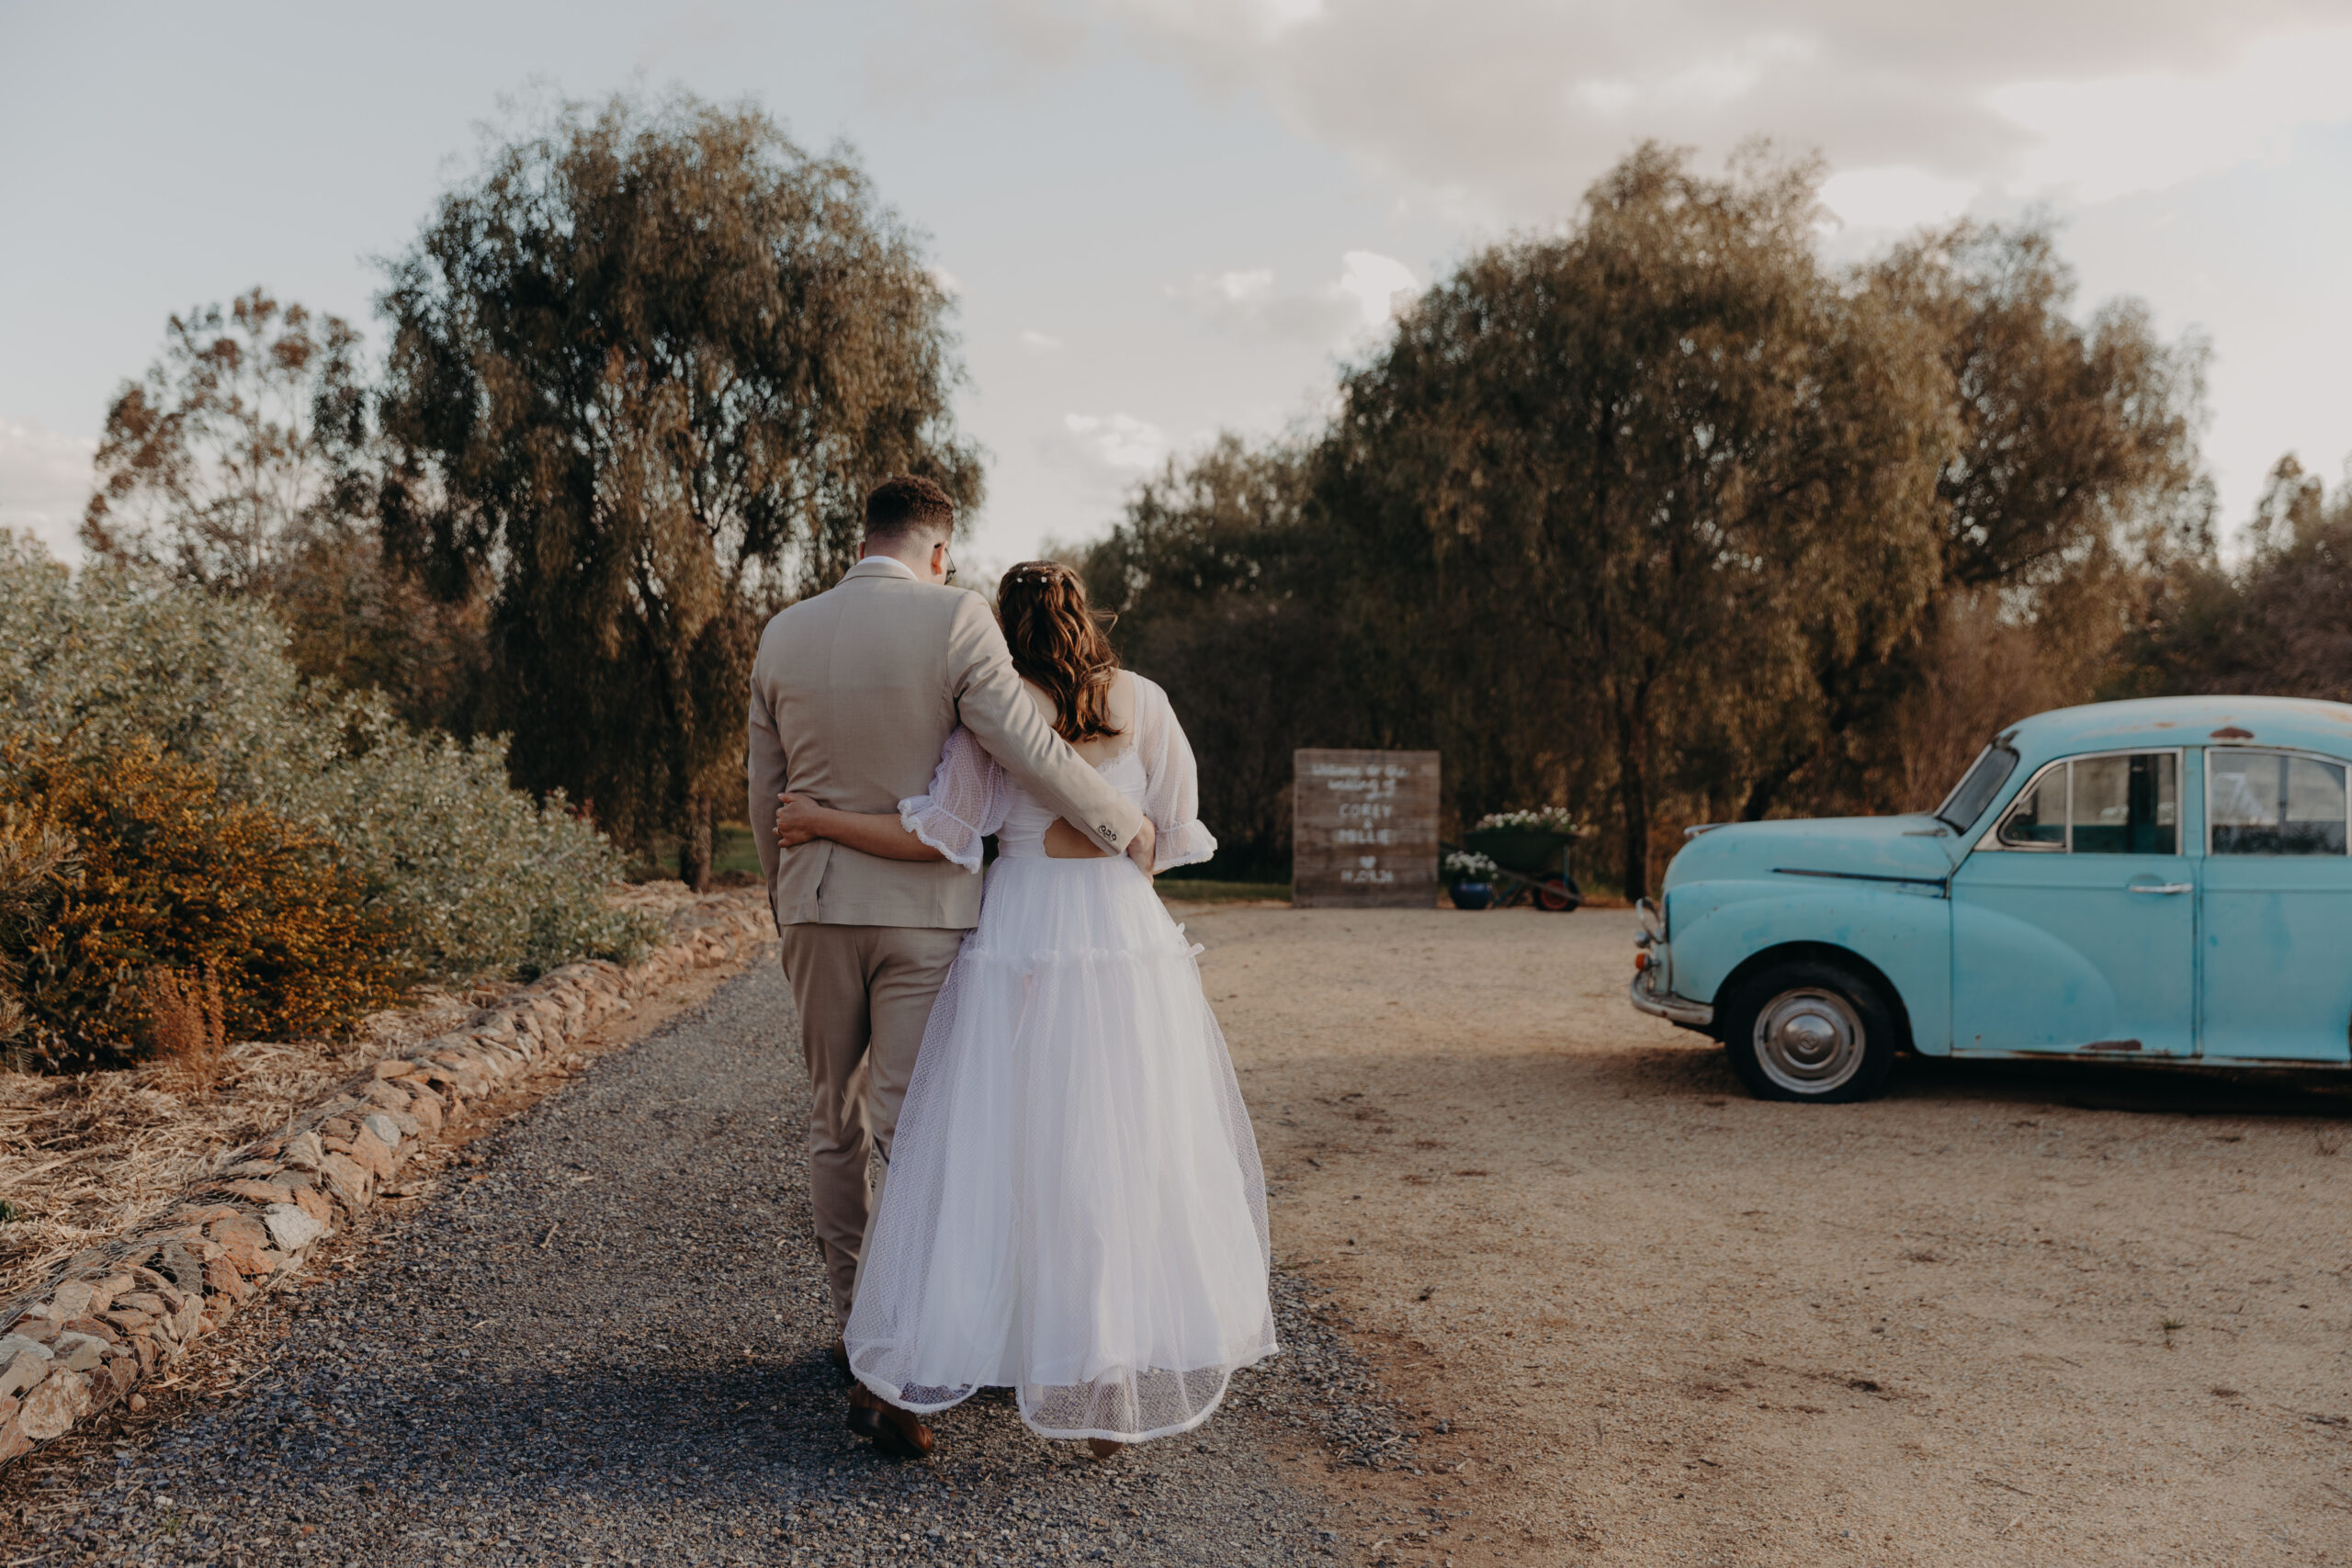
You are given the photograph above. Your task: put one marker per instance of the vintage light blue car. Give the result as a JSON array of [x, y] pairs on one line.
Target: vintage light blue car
[[2160, 880]]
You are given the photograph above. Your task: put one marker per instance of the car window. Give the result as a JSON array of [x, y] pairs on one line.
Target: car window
[[2039, 818], [2126, 805], [1977, 788], [2268, 803]]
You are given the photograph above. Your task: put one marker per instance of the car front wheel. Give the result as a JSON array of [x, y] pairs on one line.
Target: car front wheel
[[1809, 1031]]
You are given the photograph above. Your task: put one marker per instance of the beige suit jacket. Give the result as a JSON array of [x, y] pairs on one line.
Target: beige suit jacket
[[854, 694]]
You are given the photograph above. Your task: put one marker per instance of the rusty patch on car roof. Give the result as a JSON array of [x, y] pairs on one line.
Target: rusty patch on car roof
[[2231, 732]]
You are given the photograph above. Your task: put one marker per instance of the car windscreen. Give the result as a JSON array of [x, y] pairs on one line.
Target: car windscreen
[[1977, 788]]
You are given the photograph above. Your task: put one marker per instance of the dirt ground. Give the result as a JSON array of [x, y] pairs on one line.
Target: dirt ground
[[2003, 1316]]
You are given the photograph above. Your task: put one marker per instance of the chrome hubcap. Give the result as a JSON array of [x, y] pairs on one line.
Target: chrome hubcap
[[1809, 1042]]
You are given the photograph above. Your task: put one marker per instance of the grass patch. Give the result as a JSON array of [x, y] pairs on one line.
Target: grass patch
[[733, 856]]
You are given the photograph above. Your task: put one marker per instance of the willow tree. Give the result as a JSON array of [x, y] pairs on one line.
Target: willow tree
[[1691, 470], [645, 362]]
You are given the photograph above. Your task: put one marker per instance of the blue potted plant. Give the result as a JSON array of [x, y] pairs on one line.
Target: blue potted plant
[[1466, 879]]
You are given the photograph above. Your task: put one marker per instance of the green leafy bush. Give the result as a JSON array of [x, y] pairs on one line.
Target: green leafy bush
[[462, 874], [473, 875]]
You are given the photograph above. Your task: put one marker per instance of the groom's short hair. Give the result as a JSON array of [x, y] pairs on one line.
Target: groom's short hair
[[907, 504]]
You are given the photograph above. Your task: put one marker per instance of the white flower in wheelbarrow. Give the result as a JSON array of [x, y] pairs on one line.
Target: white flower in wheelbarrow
[[1543, 819]]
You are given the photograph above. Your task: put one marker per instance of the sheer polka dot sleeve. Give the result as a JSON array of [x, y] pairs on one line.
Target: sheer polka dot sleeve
[[966, 802]]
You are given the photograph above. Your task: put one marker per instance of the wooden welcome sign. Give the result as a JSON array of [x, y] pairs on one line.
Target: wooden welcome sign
[[1363, 830]]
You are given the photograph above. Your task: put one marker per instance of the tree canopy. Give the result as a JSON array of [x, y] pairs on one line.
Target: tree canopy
[[1657, 516], [645, 361], [1652, 514], [1696, 474]]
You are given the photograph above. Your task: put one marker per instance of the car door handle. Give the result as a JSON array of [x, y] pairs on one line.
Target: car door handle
[[2160, 887]]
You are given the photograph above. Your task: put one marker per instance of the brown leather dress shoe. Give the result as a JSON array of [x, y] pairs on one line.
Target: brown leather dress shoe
[[838, 1353], [894, 1433]]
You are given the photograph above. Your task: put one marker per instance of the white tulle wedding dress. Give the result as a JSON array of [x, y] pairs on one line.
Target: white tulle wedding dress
[[1074, 1208]]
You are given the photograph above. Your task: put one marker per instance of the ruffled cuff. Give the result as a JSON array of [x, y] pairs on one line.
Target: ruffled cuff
[[1187, 843], [941, 829]]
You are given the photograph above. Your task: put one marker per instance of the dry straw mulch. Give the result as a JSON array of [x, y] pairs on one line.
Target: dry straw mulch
[[90, 1156]]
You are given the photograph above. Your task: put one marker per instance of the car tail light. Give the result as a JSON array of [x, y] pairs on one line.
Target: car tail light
[[1641, 961]]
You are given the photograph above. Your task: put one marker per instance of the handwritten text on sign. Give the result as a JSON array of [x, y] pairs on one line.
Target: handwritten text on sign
[[1363, 829]]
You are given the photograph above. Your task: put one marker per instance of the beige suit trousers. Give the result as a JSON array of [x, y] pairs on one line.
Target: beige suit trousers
[[865, 996]]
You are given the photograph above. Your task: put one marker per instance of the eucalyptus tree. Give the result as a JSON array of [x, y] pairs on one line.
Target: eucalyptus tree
[[241, 445], [645, 361]]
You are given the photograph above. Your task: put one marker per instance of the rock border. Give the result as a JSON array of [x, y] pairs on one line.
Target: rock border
[[116, 1313]]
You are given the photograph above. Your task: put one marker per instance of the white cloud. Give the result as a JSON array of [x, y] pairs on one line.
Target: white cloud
[[1245, 304], [1895, 197], [1504, 110], [44, 483], [1035, 341], [1607, 100], [1227, 292], [1107, 452], [704, 27], [2098, 140], [1117, 440], [1370, 288], [1381, 286], [2193, 151]]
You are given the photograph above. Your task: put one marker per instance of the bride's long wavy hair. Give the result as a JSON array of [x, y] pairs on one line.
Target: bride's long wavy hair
[[1058, 641]]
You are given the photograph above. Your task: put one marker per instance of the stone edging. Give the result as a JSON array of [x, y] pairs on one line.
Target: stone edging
[[118, 1311]]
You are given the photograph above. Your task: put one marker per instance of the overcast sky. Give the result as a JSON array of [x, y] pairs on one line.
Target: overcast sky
[[1167, 217]]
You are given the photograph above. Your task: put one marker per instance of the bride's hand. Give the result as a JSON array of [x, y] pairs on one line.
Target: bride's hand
[[797, 820], [1140, 847]]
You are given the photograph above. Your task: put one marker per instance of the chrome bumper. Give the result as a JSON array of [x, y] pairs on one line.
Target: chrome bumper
[[1697, 1015]]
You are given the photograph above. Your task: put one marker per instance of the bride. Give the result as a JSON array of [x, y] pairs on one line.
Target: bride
[[1073, 1207]]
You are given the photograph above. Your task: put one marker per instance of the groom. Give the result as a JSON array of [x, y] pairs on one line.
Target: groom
[[853, 692]]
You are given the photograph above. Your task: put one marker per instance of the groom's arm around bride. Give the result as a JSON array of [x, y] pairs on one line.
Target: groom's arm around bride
[[854, 694]]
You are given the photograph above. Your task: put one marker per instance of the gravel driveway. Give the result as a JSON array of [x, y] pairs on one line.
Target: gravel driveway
[[600, 1341]]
